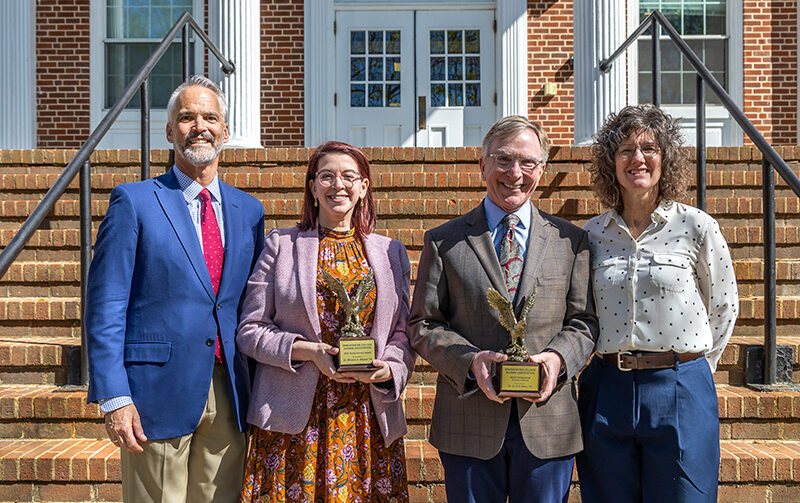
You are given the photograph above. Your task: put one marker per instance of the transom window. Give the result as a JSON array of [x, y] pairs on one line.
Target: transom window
[[703, 25], [133, 30], [375, 68], [455, 68]]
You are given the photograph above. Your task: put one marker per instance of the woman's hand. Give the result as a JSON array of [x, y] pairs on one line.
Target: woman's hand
[[320, 354], [382, 373]]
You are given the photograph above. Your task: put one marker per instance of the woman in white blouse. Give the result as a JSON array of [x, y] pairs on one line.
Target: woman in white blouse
[[667, 301]]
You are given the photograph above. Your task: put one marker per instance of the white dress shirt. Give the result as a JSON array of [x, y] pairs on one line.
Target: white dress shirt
[[672, 288]]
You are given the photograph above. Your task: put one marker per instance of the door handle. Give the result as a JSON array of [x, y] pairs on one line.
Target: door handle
[[422, 112]]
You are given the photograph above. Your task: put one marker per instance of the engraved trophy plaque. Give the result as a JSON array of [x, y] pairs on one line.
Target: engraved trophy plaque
[[515, 377], [356, 350]]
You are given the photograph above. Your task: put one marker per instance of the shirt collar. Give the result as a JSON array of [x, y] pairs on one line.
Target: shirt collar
[[191, 189], [663, 212], [495, 214]]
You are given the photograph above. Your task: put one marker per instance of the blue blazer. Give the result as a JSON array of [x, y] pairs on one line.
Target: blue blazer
[[151, 316]]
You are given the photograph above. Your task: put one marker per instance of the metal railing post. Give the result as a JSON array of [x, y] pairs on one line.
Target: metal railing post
[[185, 52], [86, 256], [700, 149], [770, 322], [145, 128], [656, 63]]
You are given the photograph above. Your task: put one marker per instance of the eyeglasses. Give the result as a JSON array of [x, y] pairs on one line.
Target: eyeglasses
[[648, 150], [328, 178], [504, 162]]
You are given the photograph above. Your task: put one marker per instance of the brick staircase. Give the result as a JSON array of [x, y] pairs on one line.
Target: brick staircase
[[52, 444]]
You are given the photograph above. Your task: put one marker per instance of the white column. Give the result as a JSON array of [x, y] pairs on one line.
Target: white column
[[319, 61], [234, 26], [18, 60], [512, 53], [599, 29]]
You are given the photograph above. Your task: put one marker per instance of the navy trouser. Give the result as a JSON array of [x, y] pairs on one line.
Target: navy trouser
[[648, 435], [513, 473]]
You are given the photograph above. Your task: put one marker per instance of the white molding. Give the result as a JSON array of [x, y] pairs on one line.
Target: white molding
[[512, 58], [125, 131], [18, 59], [233, 25], [599, 29], [415, 5], [318, 81]]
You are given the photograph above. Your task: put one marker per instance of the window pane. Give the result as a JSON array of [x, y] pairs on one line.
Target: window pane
[[670, 56], [454, 42], [690, 88], [472, 41], [392, 42], [392, 95], [715, 18], [473, 64], [357, 44], [645, 51], [715, 56], [357, 69], [437, 95], [645, 87], [357, 95], [375, 95], [376, 42], [671, 88], [437, 42], [437, 68], [455, 70], [375, 68], [693, 22], [455, 95], [673, 15], [473, 95], [392, 68], [124, 60]]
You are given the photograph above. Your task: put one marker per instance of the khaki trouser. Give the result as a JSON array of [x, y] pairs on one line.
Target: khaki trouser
[[204, 466]]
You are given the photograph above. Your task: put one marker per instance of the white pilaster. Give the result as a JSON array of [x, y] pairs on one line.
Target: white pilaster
[[18, 60], [512, 53], [599, 29], [319, 84], [234, 26]]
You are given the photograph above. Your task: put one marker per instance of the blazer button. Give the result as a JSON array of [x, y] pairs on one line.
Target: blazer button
[[209, 342], [219, 306]]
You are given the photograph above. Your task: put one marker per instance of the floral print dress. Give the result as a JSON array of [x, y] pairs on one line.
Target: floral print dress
[[340, 456]]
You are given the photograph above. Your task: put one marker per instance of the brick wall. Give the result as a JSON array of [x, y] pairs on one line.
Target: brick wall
[[282, 73], [62, 72], [549, 51], [770, 68]]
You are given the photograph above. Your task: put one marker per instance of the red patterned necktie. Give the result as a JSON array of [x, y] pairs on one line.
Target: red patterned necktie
[[511, 254], [212, 248]]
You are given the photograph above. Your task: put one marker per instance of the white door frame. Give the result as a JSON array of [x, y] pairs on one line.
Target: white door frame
[[511, 46]]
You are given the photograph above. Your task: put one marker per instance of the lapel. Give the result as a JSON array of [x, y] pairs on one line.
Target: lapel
[[306, 252], [538, 238], [232, 217], [384, 284], [480, 240], [173, 204]]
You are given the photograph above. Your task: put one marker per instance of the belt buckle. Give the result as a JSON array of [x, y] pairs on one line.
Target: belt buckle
[[619, 360]]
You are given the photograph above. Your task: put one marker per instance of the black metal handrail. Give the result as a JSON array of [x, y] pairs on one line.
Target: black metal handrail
[[80, 163], [771, 160]]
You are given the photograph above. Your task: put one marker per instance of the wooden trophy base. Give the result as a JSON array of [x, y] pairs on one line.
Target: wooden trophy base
[[519, 380], [355, 354]]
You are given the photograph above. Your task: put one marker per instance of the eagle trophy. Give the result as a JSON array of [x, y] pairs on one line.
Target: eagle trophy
[[352, 326], [516, 349]]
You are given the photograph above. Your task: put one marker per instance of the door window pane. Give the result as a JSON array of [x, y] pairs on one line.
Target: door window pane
[[462, 73], [703, 24], [378, 69], [147, 21]]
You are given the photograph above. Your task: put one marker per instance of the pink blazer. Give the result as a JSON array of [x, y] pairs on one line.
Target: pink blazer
[[280, 306]]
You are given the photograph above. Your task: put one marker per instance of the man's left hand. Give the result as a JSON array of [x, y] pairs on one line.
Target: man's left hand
[[551, 365]]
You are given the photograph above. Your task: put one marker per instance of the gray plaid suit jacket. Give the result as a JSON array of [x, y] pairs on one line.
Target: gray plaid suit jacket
[[451, 321]]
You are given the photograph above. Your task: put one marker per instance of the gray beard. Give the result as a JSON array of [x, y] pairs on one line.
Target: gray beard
[[199, 156]]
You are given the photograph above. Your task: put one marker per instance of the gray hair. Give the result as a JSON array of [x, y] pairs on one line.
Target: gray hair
[[512, 126], [198, 80]]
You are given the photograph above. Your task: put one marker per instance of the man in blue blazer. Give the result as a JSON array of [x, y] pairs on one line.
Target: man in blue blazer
[[171, 262]]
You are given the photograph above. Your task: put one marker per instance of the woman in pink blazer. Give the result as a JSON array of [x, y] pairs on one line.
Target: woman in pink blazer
[[318, 434]]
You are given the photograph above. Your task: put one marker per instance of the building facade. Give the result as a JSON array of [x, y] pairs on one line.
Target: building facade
[[395, 73]]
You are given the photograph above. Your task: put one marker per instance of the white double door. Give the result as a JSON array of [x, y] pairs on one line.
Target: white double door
[[414, 78]]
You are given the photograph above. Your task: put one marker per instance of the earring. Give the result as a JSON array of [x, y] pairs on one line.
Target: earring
[[315, 202]]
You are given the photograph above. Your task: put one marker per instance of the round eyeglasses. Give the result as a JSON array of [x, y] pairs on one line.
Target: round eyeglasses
[[648, 150], [504, 162], [328, 178]]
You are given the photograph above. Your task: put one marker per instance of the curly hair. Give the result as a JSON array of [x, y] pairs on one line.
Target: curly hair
[[618, 128]]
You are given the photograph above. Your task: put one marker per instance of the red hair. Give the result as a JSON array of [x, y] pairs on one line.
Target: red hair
[[363, 219]]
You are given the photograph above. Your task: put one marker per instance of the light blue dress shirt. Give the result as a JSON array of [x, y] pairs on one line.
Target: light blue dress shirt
[[494, 217]]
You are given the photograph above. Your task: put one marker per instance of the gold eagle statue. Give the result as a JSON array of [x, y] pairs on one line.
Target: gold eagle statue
[[350, 306], [516, 349]]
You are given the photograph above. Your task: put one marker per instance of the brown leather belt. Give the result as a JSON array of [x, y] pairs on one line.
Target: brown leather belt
[[642, 360]]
